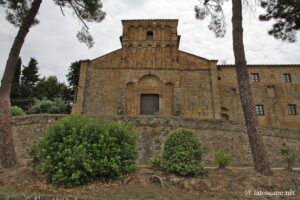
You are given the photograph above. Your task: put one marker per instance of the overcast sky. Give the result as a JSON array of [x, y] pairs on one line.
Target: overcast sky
[[54, 44]]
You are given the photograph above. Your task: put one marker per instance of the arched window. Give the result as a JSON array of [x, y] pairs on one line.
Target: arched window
[[149, 35]]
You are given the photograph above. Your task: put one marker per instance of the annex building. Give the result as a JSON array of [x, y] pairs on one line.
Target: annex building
[[149, 75]]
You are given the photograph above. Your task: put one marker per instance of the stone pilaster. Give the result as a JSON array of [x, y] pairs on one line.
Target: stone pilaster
[[215, 89], [122, 102], [177, 100], [78, 105]]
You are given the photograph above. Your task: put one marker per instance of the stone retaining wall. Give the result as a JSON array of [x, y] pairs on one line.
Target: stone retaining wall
[[152, 132]]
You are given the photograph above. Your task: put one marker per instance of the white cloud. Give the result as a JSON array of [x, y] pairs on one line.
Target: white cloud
[[54, 44]]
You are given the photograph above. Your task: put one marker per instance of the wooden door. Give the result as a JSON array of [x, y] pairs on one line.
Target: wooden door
[[149, 104]]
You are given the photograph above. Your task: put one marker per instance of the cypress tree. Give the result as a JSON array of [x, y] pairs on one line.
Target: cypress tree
[[16, 81], [73, 77], [29, 79], [30, 74]]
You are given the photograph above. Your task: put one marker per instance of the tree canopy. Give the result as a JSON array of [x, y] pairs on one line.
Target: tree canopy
[[85, 10], [212, 9], [286, 14], [51, 89]]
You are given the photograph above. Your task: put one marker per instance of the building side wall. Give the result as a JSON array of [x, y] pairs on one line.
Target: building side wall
[[271, 91], [197, 99]]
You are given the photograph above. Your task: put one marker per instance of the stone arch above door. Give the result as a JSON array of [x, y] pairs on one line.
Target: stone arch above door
[[150, 82]]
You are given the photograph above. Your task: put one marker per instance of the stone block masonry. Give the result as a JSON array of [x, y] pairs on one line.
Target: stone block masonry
[[153, 131]]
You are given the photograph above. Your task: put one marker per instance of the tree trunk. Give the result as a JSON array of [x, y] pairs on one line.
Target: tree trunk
[[258, 149], [7, 153], [7, 150]]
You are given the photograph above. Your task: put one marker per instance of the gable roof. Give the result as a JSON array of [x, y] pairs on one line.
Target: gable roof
[[190, 54]]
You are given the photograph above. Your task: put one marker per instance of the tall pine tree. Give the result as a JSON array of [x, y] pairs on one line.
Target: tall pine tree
[[214, 9]]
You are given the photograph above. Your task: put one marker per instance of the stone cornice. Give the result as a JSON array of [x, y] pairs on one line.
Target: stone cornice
[[151, 22], [143, 43], [138, 20]]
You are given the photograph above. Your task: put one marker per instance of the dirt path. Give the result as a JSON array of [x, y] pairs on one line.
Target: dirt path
[[228, 184]]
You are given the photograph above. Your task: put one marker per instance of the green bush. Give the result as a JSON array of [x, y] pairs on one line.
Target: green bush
[[57, 106], [182, 154], [79, 149], [17, 111], [291, 156], [222, 159]]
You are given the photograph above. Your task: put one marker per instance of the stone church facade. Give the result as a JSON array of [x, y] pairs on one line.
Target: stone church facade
[[149, 75]]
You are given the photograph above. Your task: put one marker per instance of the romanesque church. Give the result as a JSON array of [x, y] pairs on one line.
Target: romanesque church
[[149, 75]]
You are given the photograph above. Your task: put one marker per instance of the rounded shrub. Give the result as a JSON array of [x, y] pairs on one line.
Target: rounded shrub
[[17, 111], [222, 159], [182, 154], [79, 149], [57, 106]]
